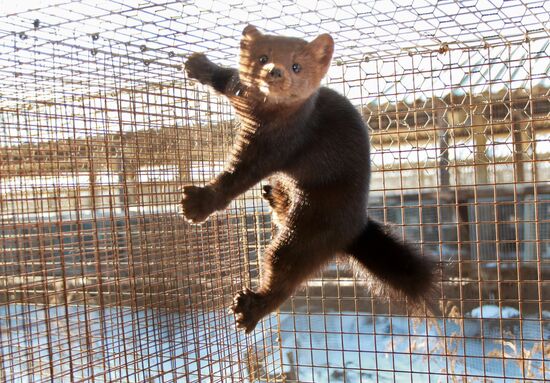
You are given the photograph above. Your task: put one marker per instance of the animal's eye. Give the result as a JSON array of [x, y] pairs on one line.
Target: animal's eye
[[296, 68], [263, 59]]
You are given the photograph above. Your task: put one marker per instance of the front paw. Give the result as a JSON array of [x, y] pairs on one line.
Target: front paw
[[248, 309], [199, 67], [197, 203]]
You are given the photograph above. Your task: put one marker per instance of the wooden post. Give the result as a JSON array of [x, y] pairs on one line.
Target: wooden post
[[442, 128], [521, 142], [481, 161]]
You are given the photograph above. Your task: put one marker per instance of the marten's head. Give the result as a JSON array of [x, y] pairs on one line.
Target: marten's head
[[286, 70]]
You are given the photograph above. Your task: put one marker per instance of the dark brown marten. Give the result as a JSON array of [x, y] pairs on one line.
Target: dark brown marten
[[313, 145]]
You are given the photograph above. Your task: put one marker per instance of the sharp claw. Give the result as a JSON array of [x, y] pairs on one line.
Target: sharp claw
[[240, 309]]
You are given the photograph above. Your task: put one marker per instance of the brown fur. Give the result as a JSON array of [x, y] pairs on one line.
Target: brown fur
[[313, 145], [277, 194], [283, 52]]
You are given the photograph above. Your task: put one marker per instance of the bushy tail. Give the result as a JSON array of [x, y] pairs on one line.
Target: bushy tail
[[398, 269]]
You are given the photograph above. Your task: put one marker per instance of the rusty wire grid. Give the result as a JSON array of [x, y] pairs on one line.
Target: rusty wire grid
[[101, 280]]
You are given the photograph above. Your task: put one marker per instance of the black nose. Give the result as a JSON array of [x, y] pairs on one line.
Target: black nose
[[276, 72]]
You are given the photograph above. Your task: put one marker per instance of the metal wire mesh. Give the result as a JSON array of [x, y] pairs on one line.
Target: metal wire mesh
[[102, 281]]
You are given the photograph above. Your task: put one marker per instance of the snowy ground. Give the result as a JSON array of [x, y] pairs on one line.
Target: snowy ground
[[362, 348], [105, 345]]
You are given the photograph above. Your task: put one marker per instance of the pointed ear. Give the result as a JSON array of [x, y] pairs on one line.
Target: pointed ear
[[250, 32], [322, 48]]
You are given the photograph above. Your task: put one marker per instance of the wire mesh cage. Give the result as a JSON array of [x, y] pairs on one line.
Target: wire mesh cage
[[101, 279]]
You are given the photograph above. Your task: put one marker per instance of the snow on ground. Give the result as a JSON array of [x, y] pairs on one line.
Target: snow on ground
[[494, 312], [143, 345], [360, 347], [120, 344]]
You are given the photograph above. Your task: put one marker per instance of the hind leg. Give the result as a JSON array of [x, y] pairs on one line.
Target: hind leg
[[287, 262], [278, 197]]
